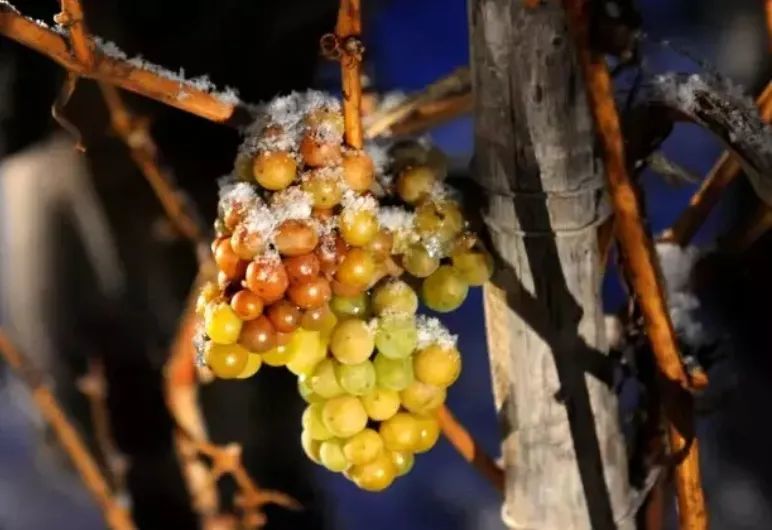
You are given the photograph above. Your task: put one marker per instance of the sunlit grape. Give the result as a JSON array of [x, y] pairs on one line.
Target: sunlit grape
[[394, 374], [310, 447], [474, 266], [444, 290], [421, 398], [352, 341], [419, 262], [323, 381], [437, 365], [401, 432], [305, 350], [331, 455], [358, 228], [381, 404], [356, 379], [428, 433], [313, 423], [403, 461], [394, 297], [221, 323], [227, 361], [363, 447], [344, 416], [357, 268], [396, 336], [350, 306], [254, 362], [376, 475], [274, 170]]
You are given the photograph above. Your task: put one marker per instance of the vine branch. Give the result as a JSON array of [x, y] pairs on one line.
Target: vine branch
[[641, 268], [116, 516], [348, 32]]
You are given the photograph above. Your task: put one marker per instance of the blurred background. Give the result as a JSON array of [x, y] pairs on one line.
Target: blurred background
[[91, 272]]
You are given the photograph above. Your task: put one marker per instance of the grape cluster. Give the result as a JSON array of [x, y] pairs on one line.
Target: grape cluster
[[321, 250]]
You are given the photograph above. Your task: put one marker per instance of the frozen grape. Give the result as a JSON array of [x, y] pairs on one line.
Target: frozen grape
[[444, 290], [356, 379], [325, 191], [419, 262], [437, 365], [344, 416], [381, 404], [358, 228], [380, 246], [274, 170], [474, 266], [396, 336], [363, 447], [258, 335], [284, 316], [316, 153], [357, 269], [439, 220], [358, 171], [228, 261], [394, 374], [350, 306], [247, 305], [394, 297], [352, 341], [421, 398], [267, 279], [301, 268], [294, 238], [310, 293], [415, 183]]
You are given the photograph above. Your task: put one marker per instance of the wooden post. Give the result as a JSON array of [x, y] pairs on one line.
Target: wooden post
[[536, 159]]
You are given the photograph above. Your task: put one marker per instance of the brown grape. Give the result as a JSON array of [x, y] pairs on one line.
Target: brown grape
[[258, 335], [284, 316], [316, 153], [331, 251], [325, 190], [228, 261], [357, 268], [268, 279], [247, 305], [294, 237], [358, 171], [311, 293], [246, 244], [302, 268]]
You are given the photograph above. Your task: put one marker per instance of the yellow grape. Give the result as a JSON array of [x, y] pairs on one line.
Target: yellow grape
[[350, 306], [227, 361], [304, 389], [323, 380], [439, 220], [310, 446], [209, 291], [221, 323], [428, 433], [254, 362], [437, 365], [401, 432], [356, 379], [358, 228], [344, 416], [417, 261], [396, 336], [363, 447], [395, 374], [403, 461], [415, 183], [274, 171], [474, 266], [325, 191], [352, 341], [305, 349], [376, 475], [312, 422], [277, 356], [394, 297], [381, 404], [331, 455], [444, 290], [421, 398]]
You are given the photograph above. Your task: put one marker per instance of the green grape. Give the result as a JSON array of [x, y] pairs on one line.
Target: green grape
[[376, 475], [356, 379], [428, 433], [441, 221], [415, 183], [331, 455], [344, 416], [381, 404], [325, 191], [305, 350], [444, 290], [313, 423], [394, 374], [474, 266], [437, 365], [396, 337], [403, 461], [401, 432], [363, 447], [310, 447], [323, 380], [352, 341], [421, 398], [305, 391], [394, 297], [350, 306], [417, 261]]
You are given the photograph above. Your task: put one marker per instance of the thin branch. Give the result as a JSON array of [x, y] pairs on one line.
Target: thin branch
[[135, 134], [469, 449], [142, 80], [348, 32], [434, 113], [724, 172], [116, 516], [72, 18], [642, 271]]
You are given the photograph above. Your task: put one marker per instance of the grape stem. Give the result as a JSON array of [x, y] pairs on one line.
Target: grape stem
[[115, 515], [724, 172], [641, 269], [348, 31], [468, 448]]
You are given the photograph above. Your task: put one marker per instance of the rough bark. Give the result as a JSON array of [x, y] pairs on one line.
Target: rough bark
[[535, 158]]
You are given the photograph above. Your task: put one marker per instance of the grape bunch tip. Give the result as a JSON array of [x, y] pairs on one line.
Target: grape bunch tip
[[323, 254]]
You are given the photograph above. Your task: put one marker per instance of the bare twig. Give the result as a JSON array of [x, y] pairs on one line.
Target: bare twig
[[72, 18], [469, 449], [348, 32], [724, 172], [149, 83], [116, 516], [642, 271], [434, 113]]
